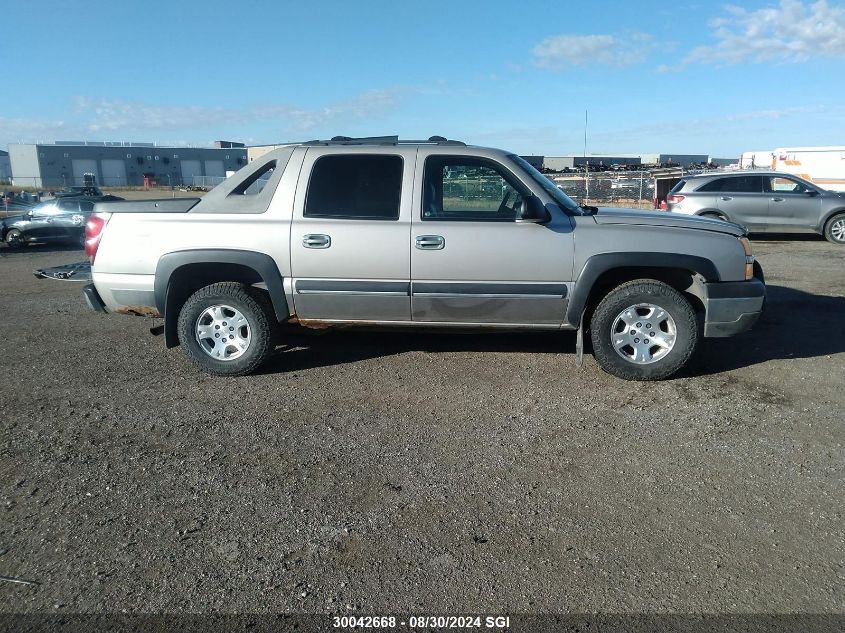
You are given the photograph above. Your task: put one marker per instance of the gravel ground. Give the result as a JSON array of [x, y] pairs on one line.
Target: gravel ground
[[369, 472]]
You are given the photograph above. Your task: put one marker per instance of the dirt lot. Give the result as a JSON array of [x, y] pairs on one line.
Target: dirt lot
[[373, 473]]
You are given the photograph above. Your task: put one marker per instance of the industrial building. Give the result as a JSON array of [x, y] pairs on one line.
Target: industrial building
[[562, 163], [5, 167], [62, 164]]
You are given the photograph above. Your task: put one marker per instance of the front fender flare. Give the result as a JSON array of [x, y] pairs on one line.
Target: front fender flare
[[597, 265]]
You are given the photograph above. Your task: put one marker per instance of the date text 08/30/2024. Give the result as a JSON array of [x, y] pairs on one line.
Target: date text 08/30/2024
[[421, 621]]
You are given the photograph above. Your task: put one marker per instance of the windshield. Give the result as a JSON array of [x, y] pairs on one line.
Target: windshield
[[565, 202]]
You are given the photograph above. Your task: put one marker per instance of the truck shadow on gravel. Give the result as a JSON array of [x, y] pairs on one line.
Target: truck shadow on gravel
[[794, 324], [304, 349]]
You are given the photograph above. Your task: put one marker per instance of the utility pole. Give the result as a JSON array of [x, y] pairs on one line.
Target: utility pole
[[586, 163]]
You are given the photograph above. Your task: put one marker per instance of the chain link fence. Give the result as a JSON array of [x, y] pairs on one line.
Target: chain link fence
[[166, 181], [624, 189], [632, 189], [627, 189]]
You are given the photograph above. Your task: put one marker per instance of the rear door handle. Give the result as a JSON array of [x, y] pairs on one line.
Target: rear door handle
[[430, 242], [726, 198], [316, 240], [777, 199]]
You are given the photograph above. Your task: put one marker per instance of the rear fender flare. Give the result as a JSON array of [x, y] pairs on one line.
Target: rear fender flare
[[169, 264]]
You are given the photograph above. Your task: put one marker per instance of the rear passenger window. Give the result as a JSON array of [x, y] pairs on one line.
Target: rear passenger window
[[255, 183], [735, 184], [68, 206], [355, 187]]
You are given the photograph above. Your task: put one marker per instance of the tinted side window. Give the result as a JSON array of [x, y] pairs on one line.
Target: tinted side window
[[68, 206], [254, 184], [714, 185], [355, 187], [467, 188], [736, 184]]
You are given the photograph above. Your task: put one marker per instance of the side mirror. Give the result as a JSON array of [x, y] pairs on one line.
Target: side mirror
[[532, 210], [812, 192]]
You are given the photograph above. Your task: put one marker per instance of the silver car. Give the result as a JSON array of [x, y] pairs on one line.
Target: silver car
[[763, 201]]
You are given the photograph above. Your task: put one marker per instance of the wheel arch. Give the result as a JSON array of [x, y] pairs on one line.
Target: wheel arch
[[828, 217], [181, 273], [601, 273], [712, 212]]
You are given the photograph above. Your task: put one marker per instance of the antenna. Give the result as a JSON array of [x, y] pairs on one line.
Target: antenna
[[585, 133]]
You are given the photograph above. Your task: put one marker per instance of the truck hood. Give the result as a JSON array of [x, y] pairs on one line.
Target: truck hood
[[610, 215]]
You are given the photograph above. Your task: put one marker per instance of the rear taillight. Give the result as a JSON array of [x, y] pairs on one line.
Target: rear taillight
[[674, 198], [93, 233]]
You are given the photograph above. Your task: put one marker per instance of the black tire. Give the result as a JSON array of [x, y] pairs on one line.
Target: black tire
[[715, 216], [14, 239], [681, 317], [835, 236], [253, 305]]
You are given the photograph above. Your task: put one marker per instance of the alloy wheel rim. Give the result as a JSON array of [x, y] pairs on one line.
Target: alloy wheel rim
[[643, 333], [837, 230], [223, 332]]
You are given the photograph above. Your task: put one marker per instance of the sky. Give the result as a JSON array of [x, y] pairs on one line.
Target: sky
[[704, 77]]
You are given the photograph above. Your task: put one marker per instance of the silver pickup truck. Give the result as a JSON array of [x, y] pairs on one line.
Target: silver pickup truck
[[390, 233]]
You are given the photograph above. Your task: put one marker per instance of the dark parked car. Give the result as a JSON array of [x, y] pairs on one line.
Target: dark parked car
[[89, 191], [61, 220]]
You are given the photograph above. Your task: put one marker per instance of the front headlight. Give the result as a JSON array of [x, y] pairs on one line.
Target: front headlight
[[749, 258]]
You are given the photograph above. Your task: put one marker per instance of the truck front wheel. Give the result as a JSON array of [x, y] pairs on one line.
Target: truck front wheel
[[226, 329], [643, 330]]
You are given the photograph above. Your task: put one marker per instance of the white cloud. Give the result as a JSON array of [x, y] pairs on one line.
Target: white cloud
[[111, 115], [788, 33], [12, 130], [92, 117], [727, 124], [562, 51]]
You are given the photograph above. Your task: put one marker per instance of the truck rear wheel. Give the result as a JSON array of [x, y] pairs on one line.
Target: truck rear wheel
[[226, 329], [644, 330]]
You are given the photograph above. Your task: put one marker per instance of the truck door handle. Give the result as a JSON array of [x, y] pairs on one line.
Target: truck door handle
[[727, 198], [777, 199], [316, 240], [430, 242]]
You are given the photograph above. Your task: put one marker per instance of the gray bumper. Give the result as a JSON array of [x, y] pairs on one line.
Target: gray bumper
[[92, 298], [733, 307]]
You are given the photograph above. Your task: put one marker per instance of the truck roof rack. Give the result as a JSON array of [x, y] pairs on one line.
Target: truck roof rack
[[383, 140]]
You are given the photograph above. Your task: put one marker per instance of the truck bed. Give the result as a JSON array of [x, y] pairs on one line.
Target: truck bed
[[161, 205]]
